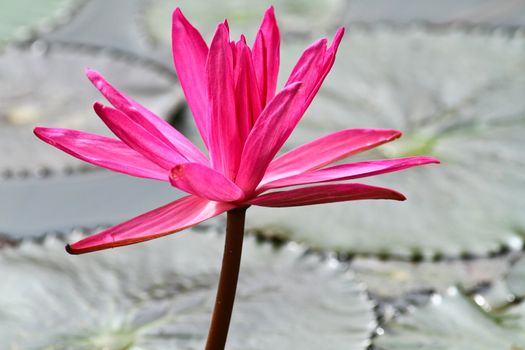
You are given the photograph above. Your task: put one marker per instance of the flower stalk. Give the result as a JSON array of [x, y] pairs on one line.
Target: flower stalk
[[231, 261]]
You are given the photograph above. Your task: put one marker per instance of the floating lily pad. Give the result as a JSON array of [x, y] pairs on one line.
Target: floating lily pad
[[454, 322], [514, 317], [516, 278], [46, 86], [294, 16], [495, 296], [21, 19], [506, 289], [456, 95], [159, 295], [393, 279]]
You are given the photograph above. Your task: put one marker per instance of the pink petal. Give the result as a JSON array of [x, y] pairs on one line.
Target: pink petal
[[102, 151], [173, 217], [325, 194], [224, 138], [204, 182], [308, 68], [313, 66], [328, 62], [246, 90], [190, 53], [350, 171], [326, 150], [266, 56], [155, 125], [332, 50], [269, 133], [137, 137]]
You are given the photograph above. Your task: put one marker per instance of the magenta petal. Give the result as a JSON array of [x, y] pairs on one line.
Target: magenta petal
[[326, 150], [266, 56], [325, 194], [309, 66], [173, 217], [190, 53], [102, 151], [147, 119], [269, 133], [248, 103], [313, 66], [224, 139], [350, 171], [137, 137], [328, 62], [204, 182]]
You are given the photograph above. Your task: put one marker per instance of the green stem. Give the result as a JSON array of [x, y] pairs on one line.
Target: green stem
[[231, 261]]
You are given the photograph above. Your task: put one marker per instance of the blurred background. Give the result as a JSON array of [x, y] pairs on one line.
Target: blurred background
[[443, 270]]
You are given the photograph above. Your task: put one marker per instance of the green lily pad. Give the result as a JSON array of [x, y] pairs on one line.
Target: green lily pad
[[516, 278], [514, 317], [294, 16], [159, 295], [394, 279], [45, 86], [454, 322], [496, 297], [20, 19], [508, 288], [456, 95]]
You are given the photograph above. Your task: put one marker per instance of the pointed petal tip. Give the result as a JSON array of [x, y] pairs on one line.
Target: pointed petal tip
[[177, 12], [222, 29], [428, 160], [398, 196], [38, 131], [338, 37], [178, 17], [92, 75], [44, 134], [95, 78], [71, 250], [270, 12], [269, 17], [99, 107], [395, 134], [178, 20], [91, 244], [77, 249]]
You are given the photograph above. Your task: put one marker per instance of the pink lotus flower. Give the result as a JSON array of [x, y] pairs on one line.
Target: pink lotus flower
[[231, 91]]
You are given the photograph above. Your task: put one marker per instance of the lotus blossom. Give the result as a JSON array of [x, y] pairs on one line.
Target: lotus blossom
[[231, 90]]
